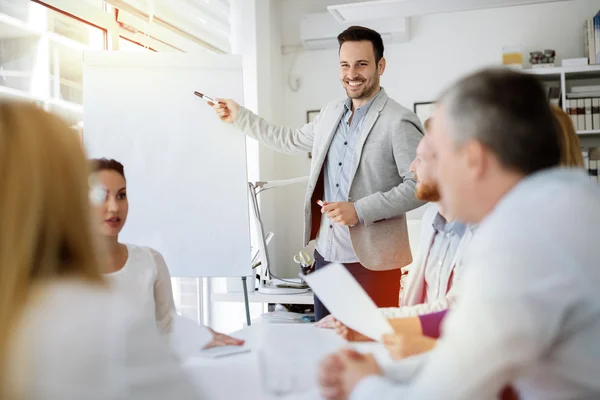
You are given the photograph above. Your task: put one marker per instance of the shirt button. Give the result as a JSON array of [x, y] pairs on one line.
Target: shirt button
[[346, 143], [340, 164], [331, 226], [337, 185]]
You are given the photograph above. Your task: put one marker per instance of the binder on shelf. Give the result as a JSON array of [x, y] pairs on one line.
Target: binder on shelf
[[588, 114], [589, 41], [593, 171], [554, 95], [580, 114], [596, 113], [571, 106], [594, 156], [597, 36]]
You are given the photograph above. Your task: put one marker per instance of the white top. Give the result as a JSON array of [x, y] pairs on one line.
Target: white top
[[77, 341], [529, 311], [146, 276]]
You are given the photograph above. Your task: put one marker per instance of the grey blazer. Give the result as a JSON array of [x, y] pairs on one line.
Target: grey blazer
[[380, 182]]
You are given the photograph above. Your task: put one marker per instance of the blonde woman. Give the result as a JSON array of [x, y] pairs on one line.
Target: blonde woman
[[570, 152], [63, 333]]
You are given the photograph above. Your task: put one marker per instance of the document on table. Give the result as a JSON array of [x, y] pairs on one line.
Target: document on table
[[347, 301]]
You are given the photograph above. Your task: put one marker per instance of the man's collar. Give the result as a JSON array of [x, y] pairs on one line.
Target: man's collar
[[441, 225], [365, 107]]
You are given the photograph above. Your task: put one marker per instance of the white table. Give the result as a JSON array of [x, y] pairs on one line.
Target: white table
[[299, 346], [255, 297]]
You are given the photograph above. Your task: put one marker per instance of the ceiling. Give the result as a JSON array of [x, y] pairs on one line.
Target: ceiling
[[353, 11], [205, 19]]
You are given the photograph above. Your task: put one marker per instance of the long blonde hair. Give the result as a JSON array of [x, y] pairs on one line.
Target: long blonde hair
[[45, 230], [570, 151]]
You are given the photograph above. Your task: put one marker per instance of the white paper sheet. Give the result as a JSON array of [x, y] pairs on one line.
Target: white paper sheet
[[347, 301]]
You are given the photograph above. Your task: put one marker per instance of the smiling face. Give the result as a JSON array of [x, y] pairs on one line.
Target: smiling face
[[112, 213], [359, 73]]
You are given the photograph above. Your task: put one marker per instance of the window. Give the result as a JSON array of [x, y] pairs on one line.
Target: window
[[68, 38], [129, 45], [41, 55]]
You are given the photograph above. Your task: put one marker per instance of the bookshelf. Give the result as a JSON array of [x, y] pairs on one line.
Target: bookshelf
[[587, 70], [566, 77]]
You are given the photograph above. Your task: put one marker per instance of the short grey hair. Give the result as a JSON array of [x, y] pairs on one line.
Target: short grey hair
[[507, 111]]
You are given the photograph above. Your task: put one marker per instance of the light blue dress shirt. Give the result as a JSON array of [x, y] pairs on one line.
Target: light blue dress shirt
[[333, 239], [438, 266]]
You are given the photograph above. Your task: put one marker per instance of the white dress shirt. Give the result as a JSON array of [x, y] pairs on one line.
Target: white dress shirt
[[80, 341], [529, 312]]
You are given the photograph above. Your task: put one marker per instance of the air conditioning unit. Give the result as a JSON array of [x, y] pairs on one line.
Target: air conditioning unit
[[319, 31]]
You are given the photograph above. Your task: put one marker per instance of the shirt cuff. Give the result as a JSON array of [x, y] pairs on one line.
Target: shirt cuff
[[360, 217], [375, 387], [392, 312]]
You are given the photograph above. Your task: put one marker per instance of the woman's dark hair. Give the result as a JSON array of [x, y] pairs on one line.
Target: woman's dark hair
[[360, 34], [105, 164]]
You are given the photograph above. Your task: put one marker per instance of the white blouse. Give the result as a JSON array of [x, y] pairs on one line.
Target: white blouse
[[80, 341], [145, 275]]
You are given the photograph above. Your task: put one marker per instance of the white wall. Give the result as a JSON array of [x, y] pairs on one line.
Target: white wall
[[442, 48], [255, 36]]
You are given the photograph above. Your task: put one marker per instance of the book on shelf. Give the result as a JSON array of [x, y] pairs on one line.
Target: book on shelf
[[588, 113], [597, 37], [554, 95], [589, 43], [580, 114], [571, 109], [591, 39], [593, 155], [584, 113], [593, 171], [596, 113]]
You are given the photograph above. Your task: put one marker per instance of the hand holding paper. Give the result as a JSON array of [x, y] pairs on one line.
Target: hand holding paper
[[347, 301]]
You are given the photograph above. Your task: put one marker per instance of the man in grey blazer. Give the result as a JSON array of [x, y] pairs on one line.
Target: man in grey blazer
[[362, 149]]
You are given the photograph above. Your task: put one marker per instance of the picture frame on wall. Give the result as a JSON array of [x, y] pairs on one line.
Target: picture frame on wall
[[423, 110], [310, 116]]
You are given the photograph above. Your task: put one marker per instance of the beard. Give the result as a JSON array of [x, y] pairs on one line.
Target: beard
[[426, 191], [367, 90]]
